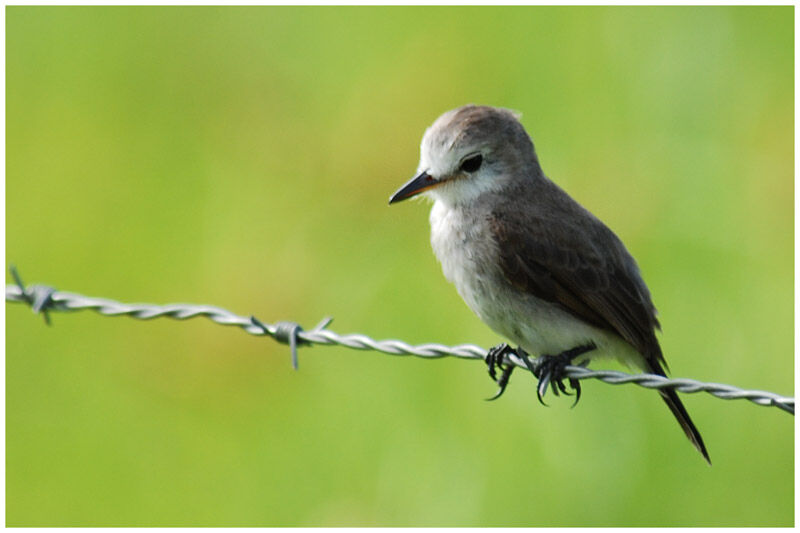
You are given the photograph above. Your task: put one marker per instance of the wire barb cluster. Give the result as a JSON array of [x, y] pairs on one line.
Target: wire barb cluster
[[42, 299]]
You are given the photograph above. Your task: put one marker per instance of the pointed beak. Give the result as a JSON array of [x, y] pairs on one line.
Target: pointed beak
[[421, 183]]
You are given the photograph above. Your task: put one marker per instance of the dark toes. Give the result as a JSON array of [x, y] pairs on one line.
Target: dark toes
[[502, 382], [548, 369], [494, 360]]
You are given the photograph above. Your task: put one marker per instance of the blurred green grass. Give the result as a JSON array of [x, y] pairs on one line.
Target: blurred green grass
[[243, 157]]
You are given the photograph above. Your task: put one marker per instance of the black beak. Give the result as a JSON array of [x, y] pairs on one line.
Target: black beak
[[421, 183]]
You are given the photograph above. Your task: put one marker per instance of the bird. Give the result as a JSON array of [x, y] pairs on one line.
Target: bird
[[534, 265]]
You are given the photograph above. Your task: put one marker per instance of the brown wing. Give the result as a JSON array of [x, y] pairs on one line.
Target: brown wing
[[579, 264]]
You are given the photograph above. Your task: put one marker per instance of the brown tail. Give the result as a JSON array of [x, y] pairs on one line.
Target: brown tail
[[676, 406]]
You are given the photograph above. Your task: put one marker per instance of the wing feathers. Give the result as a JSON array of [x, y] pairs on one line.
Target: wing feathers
[[562, 263]]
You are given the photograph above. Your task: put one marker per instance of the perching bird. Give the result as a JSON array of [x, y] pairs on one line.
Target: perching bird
[[531, 262]]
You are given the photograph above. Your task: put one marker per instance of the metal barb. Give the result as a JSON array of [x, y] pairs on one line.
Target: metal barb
[[64, 301], [286, 332], [289, 332], [39, 297]]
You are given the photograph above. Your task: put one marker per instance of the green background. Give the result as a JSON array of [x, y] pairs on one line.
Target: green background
[[243, 157]]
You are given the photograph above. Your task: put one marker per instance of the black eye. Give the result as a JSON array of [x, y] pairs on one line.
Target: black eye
[[473, 163]]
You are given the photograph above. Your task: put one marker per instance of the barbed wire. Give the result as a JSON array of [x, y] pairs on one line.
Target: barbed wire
[[42, 298]]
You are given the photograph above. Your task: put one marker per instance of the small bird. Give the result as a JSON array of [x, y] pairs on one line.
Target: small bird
[[531, 262]]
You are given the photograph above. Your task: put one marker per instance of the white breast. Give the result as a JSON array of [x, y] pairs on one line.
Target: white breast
[[463, 243], [466, 253]]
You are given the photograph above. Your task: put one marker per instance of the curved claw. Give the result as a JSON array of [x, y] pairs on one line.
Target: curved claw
[[542, 388], [502, 382], [494, 360], [497, 394], [576, 385]]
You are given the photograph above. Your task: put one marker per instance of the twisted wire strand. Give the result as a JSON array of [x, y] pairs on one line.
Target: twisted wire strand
[[43, 298]]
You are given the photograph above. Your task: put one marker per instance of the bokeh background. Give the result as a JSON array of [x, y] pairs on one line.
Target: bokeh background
[[243, 157]]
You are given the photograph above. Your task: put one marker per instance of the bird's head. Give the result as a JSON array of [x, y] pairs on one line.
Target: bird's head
[[469, 151]]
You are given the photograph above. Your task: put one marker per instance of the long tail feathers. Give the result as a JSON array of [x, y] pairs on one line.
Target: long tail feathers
[[676, 406]]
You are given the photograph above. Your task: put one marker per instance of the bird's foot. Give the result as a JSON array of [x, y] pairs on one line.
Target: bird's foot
[[550, 370], [494, 360]]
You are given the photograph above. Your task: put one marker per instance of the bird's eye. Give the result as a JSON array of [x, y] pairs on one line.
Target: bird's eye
[[472, 163]]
